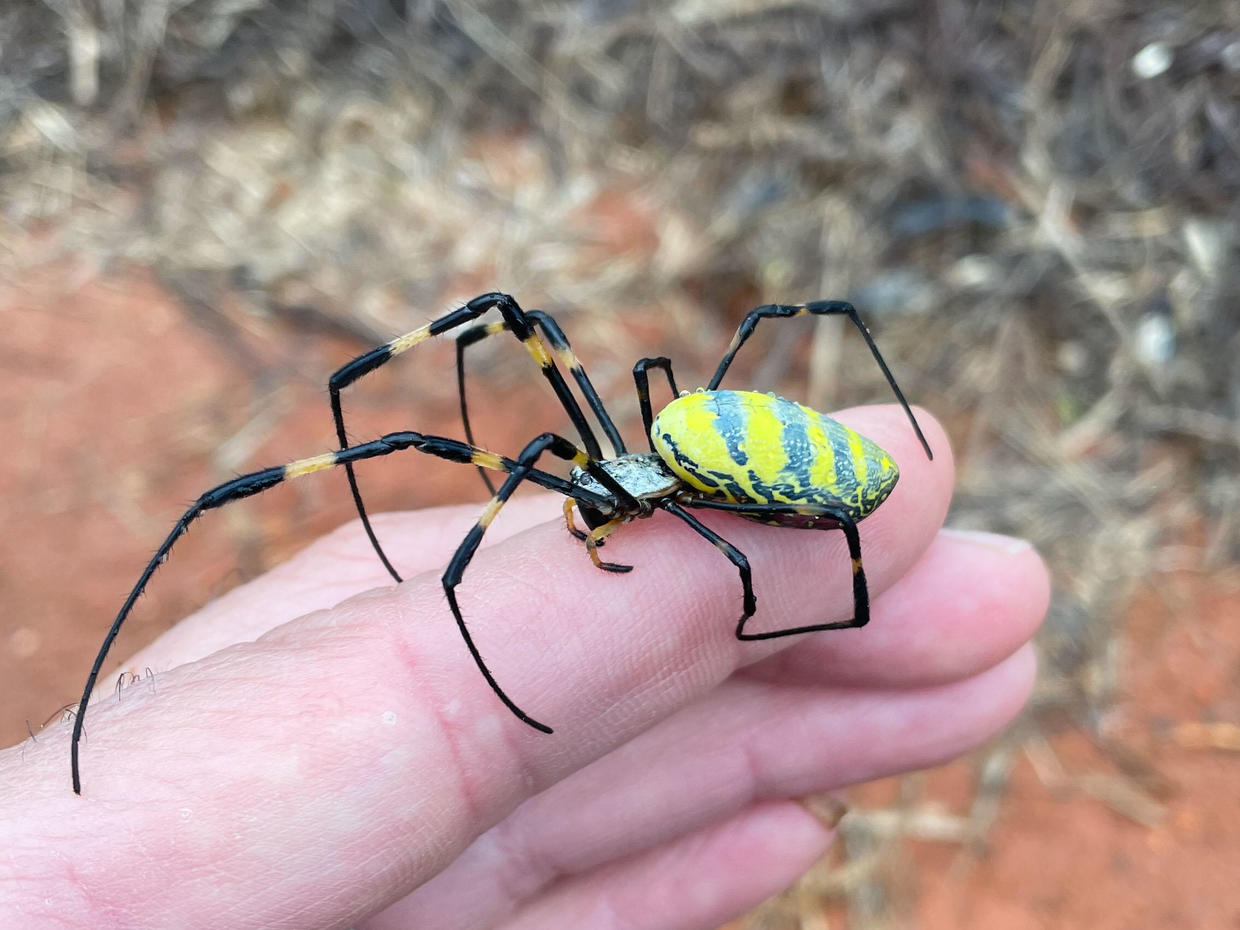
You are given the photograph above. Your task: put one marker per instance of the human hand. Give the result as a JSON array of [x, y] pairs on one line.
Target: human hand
[[300, 764]]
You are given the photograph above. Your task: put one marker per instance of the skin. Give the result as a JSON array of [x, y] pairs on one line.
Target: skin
[[317, 750]]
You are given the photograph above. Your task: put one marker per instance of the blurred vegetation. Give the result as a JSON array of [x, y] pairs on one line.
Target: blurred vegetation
[[1033, 203]]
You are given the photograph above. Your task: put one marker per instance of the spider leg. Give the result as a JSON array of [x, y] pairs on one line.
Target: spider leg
[[522, 470], [577, 534], [814, 308], [595, 539], [839, 519], [560, 345], [642, 380], [259, 481], [463, 341], [519, 324], [734, 555]]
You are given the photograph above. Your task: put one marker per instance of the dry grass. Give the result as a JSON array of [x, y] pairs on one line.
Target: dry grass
[[1034, 203]]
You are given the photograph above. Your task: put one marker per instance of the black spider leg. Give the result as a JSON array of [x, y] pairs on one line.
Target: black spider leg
[[840, 519], [815, 308], [559, 342], [463, 341], [734, 555], [547, 442], [520, 326], [560, 345], [642, 381], [259, 481]]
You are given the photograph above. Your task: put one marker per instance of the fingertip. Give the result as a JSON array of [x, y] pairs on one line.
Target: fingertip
[[703, 878], [996, 541], [924, 489], [788, 834], [1025, 663], [1009, 571], [967, 604]]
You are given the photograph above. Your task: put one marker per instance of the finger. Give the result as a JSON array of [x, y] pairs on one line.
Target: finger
[[693, 883], [935, 624], [746, 741], [343, 564], [971, 600], [345, 757], [329, 570]]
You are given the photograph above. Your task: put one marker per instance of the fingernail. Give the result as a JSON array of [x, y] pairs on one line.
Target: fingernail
[[1010, 544]]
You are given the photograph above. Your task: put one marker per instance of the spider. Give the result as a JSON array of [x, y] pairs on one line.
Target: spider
[[755, 455]]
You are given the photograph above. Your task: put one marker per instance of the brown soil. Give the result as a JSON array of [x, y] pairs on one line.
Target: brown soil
[[1142, 831]]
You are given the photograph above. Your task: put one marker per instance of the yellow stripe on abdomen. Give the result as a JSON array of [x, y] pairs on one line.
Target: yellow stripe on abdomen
[[762, 441]]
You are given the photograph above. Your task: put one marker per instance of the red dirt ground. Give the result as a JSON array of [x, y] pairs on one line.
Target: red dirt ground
[[114, 405], [1062, 857]]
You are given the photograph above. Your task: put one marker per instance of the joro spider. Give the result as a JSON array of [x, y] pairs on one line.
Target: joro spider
[[755, 455]]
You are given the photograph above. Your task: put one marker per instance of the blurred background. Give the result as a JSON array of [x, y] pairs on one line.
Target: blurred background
[[209, 205]]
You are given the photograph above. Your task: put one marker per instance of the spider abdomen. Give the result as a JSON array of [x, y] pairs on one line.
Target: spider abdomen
[[745, 447]]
